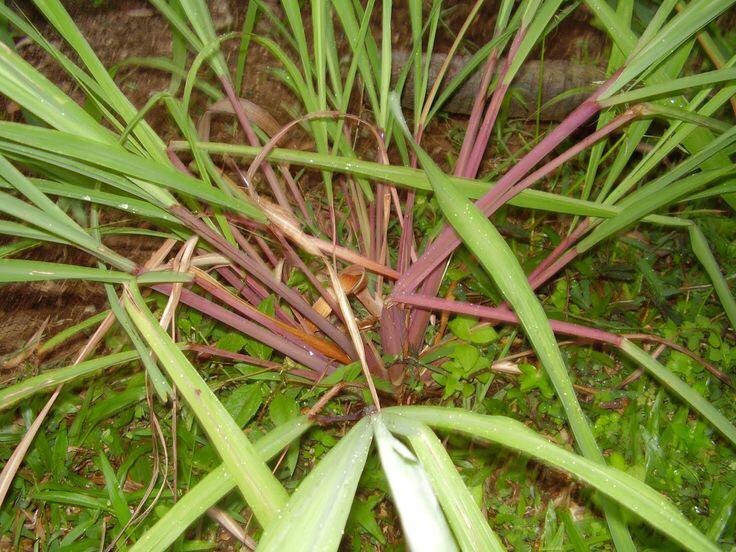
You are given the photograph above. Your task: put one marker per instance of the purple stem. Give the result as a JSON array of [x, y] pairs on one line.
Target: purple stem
[[178, 163], [252, 291], [352, 207], [270, 255], [392, 329], [207, 351], [299, 263], [428, 268], [470, 170], [503, 315], [470, 167], [253, 140], [564, 157], [537, 278], [296, 192], [553, 268], [476, 113], [248, 311], [307, 358], [394, 321], [246, 246], [419, 319], [378, 223], [556, 260], [407, 235]]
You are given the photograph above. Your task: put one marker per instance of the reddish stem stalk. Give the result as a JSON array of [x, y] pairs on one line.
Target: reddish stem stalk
[[207, 351], [480, 141], [310, 359], [253, 140], [503, 315], [476, 113], [535, 277]]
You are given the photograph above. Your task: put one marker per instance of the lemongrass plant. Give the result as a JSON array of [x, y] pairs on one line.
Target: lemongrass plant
[[238, 216]]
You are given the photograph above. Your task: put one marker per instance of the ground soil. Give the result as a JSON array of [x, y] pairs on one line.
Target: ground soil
[[121, 29]]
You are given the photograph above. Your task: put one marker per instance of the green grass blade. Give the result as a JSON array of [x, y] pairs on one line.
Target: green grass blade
[[50, 217], [261, 490], [678, 133], [704, 254], [116, 497], [534, 21], [117, 159], [679, 29], [67, 333], [201, 21], [50, 230], [168, 66], [720, 520], [675, 85], [415, 19], [158, 380], [411, 178], [468, 523], [293, 12], [62, 21], [17, 230], [124, 203], [656, 195], [628, 491], [15, 270], [676, 113], [320, 46], [49, 379], [475, 61], [681, 389], [693, 138], [363, 47], [20, 270], [425, 527], [23, 84], [211, 489], [298, 82], [204, 54], [178, 23], [315, 516], [385, 80], [246, 31], [24, 186], [616, 58]]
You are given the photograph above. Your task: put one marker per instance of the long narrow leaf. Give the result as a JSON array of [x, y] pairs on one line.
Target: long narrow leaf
[[466, 520], [424, 524], [315, 516], [50, 379]]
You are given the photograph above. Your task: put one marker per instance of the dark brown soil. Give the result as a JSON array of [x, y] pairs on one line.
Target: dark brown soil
[[121, 29]]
